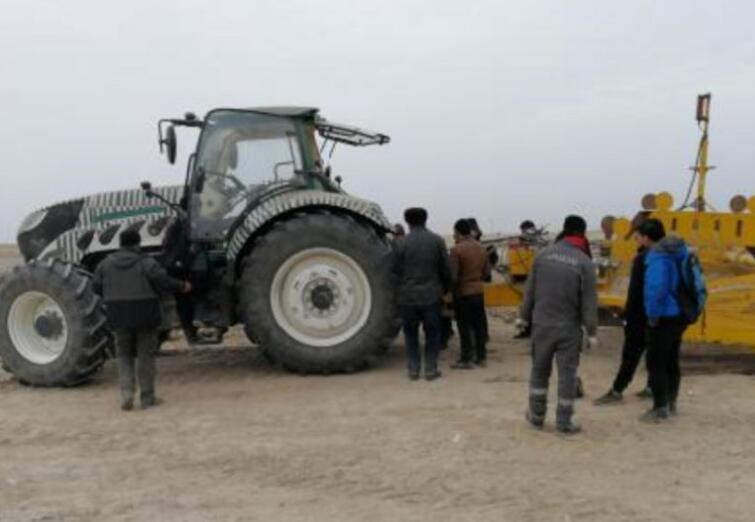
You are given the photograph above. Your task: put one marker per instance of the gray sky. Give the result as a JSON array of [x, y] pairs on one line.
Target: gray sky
[[499, 109]]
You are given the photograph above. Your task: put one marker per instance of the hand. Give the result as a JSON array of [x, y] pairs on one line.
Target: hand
[[653, 322], [520, 324], [592, 342], [187, 287]]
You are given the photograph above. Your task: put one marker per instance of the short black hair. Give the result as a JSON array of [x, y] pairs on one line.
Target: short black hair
[[652, 228], [130, 238], [463, 227], [575, 225], [526, 224], [415, 216]]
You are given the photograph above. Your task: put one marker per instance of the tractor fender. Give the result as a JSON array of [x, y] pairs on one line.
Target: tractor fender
[[275, 207]]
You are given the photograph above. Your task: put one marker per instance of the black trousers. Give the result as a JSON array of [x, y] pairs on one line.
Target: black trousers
[[472, 323], [664, 341], [429, 316], [635, 341]]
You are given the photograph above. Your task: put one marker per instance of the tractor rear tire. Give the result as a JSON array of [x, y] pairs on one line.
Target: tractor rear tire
[[52, 327], [316, 291]]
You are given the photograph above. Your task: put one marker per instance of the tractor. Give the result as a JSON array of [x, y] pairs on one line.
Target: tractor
[[272, 242]]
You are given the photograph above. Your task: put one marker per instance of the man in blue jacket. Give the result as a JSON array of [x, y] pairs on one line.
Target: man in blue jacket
[[665, 323]]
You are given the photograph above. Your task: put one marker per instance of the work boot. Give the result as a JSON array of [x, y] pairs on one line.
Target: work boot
[[646, 393], [611, 397], [462, 365], [569, 428], [655, 415], [127, 403], [535, 422], [431, 376]]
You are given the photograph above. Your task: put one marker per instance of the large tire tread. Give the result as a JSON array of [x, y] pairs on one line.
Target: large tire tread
[[88, 337], [254, 297]]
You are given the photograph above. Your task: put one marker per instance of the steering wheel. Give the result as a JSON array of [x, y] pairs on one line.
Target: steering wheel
[[235, 194]]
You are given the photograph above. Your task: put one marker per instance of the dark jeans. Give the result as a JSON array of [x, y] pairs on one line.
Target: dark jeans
[[664, 341], [472, 323], [635, 340], [136, 351], [429, 317]]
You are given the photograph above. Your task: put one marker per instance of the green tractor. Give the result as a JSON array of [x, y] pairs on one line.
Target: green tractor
[[271, 241]]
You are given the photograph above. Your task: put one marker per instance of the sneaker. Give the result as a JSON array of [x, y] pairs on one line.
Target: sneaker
[[655, 415], [462, 365], [646, 393], [413, 376], [611, 397], [571, 428], [534, 422], [432, 375], [127, 404]]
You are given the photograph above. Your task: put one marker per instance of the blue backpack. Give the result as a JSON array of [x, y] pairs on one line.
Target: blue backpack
[[692, 290]]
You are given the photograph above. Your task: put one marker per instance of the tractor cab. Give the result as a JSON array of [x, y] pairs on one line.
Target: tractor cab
[[243, 155]]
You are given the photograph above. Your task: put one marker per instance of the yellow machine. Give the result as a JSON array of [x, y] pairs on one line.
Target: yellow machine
[[724, 242]]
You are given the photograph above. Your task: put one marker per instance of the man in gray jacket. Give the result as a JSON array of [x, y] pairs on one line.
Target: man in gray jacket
[[129, 282], [560, 299], [420, 264]]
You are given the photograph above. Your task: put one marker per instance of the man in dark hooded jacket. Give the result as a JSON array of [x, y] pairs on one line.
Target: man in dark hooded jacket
[[635, 326], [129, 282]]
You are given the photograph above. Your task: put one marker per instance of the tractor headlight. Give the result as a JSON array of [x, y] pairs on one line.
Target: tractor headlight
[[32, 221]]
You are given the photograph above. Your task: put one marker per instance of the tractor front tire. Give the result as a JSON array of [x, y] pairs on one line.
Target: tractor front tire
[[316, 291], [52, 328]]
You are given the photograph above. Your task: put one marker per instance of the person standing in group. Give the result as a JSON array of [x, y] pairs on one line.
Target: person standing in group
[[560, 298], [421, 268], [666, 254], [469, 269], [129, 282], [635, 327]]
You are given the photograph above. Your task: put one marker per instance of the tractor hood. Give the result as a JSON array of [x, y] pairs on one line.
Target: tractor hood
[[71, 229]]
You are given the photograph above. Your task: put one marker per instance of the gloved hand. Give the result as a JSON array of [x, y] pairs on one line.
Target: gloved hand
[[592, 342]]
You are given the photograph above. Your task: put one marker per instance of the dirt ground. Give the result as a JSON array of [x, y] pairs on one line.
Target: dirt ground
[[240, 440]]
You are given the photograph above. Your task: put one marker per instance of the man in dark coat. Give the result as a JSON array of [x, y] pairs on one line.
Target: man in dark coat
[[129, 282], [635, 330], [421, 269]]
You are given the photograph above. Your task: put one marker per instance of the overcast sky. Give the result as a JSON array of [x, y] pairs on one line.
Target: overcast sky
[[499, 109]]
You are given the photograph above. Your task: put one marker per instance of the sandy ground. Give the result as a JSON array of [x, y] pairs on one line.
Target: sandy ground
[[239, 440]]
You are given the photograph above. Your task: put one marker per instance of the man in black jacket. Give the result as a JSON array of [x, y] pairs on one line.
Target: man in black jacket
[[634, 332], [423, 275], [129, 282]]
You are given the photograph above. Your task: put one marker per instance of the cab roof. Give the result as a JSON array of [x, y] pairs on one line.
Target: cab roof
[[290, 111]]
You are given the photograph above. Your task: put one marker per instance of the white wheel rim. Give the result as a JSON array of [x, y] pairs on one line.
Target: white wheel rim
[[321, 297], [37, 327]]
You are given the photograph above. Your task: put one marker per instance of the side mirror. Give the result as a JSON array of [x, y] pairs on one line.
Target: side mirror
[[147, 188], [169, 143]]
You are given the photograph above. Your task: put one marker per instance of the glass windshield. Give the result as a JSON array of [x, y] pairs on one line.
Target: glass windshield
[[239, 154]]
